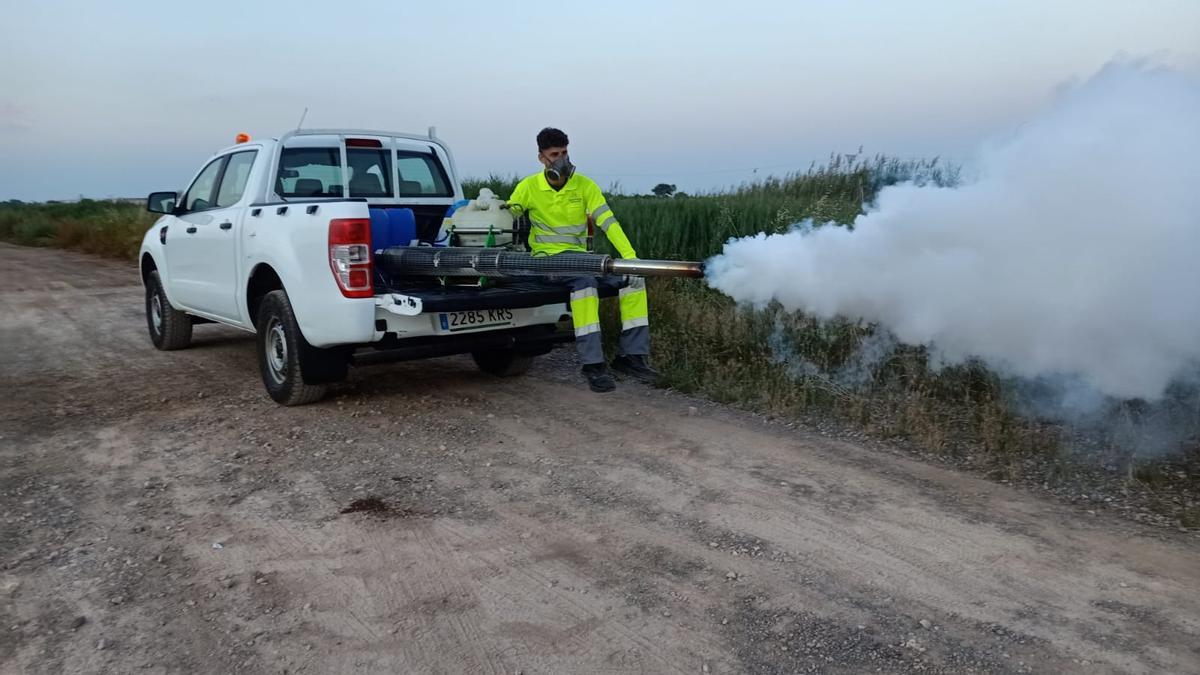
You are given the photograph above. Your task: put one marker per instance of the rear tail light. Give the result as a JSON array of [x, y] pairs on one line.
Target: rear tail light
[[350, 256]]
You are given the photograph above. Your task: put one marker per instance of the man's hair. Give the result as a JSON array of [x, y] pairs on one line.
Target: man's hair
[[551, 138]]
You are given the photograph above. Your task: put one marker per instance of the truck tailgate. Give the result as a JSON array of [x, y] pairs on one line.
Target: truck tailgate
[[510, 295]]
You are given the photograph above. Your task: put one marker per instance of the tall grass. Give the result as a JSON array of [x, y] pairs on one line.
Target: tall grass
[[696, 226], [113, 229]]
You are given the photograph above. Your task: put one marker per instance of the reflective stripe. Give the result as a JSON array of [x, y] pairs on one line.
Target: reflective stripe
[[635, 308], [587, 330], [583, 293], [607, 223], [554, 239], [633, 323], [559, 229], [600, 210], [551, 233], [585, 311], [638, 285]]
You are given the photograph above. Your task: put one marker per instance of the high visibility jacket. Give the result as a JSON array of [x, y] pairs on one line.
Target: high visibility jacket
[[559, 218]]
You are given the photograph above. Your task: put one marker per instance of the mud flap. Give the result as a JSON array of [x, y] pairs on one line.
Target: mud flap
[[324, 366]]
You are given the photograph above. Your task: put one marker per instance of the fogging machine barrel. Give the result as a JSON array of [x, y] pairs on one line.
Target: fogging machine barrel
[[493, 262], [655, 268]]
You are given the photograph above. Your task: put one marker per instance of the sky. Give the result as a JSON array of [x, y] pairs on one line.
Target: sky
[[122, 98]]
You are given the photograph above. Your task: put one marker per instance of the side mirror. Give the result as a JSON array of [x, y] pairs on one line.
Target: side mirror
[[162, 202]]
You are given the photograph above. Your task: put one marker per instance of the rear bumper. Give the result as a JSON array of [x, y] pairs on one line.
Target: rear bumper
[[508, 295], [530, 340], [409, 311], [535, 311]]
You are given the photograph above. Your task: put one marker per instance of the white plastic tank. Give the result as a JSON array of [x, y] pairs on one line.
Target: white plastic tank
[[473, 221]]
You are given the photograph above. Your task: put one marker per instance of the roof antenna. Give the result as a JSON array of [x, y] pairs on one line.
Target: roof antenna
[[302, 116]]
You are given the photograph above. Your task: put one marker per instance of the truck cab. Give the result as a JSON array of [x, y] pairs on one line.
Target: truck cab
[[278, 237]]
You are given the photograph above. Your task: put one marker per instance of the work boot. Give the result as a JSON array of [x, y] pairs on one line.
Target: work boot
[[635, 366], [598, 378]]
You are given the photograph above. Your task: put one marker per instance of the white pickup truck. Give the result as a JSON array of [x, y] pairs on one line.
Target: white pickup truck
[[278, 237]]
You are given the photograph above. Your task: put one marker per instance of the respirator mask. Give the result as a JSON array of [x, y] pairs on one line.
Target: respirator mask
[[560, 169]]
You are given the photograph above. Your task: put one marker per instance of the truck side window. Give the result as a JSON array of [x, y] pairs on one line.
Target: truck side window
[[421, 175], [200, 195], [309, 172], [233, 183]]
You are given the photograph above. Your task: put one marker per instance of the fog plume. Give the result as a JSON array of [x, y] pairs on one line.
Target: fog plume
[[1073, 252]]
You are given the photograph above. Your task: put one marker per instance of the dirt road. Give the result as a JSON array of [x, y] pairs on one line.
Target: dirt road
[[161, 514]]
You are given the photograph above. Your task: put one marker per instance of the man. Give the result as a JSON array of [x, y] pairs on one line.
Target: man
[[561, 204]]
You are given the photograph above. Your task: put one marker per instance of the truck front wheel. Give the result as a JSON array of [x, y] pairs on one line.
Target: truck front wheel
[[293, 371], [502, 362], [169, 328]]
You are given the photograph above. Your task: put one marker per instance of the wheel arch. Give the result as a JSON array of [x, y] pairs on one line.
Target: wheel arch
[[147, 266], [262, 280]]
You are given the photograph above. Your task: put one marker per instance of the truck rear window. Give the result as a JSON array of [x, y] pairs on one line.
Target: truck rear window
[[370, 172], [421, 175], [310, 172], [317, 172]]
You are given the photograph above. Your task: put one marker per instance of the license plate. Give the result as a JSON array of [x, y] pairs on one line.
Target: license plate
[[479, 319]]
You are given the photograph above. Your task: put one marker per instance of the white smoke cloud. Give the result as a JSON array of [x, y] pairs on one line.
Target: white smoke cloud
[[1074, 253]]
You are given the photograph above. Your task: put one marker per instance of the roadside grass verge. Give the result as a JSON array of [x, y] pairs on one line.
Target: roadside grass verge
[[112, 229], [851, 376]]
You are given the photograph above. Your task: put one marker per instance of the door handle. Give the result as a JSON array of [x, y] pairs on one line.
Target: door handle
[[191, 230], [226, 225]]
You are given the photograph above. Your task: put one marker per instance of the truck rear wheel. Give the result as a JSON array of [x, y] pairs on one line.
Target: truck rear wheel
[[502, 362], [285, 357], [169, 328]]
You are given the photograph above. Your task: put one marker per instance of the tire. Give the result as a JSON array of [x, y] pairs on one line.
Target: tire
[[169, 328], [293, 371], [502, 362]]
